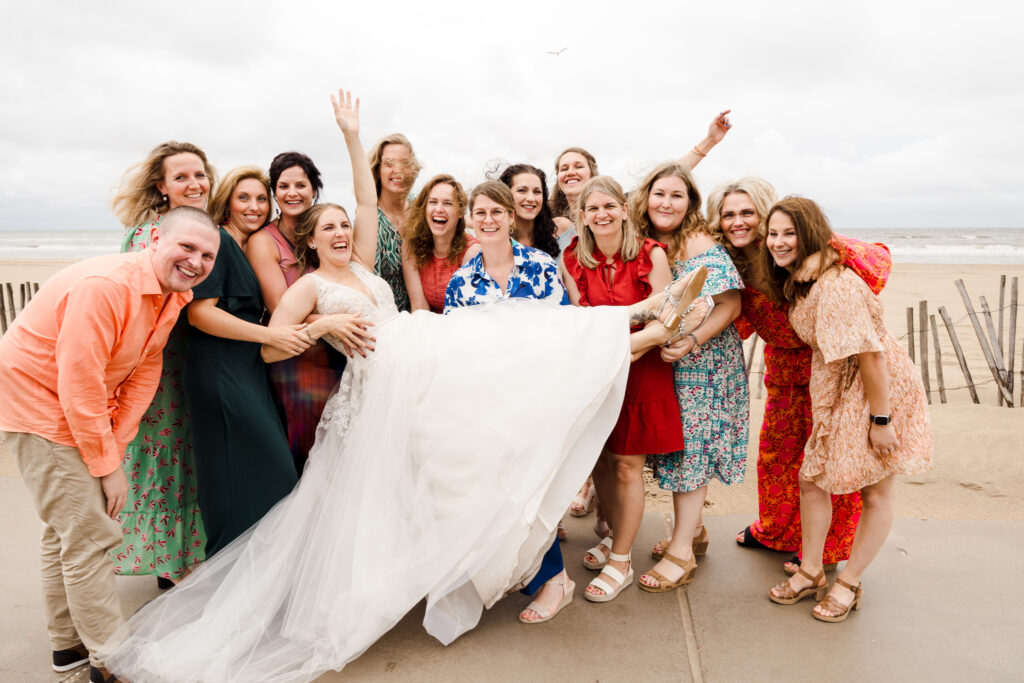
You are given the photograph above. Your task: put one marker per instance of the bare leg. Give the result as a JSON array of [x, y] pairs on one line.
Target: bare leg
[[873, 529], [627, 473], [815, 518], [687, 508]]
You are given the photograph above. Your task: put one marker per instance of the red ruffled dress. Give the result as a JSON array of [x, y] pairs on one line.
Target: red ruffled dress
[[787, 412], [649, 423]]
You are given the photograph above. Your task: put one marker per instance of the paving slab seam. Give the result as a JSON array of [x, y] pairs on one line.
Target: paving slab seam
[[689, 631]]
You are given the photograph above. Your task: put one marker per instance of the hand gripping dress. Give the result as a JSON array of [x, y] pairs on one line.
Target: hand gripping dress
[[442, 465], [840, 318]]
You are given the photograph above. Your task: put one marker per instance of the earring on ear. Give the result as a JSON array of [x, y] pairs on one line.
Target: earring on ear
[[313, 247], [165, 198]]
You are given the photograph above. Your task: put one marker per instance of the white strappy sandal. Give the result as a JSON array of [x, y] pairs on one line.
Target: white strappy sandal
[[601, 551], [614, 574], [568, 587]]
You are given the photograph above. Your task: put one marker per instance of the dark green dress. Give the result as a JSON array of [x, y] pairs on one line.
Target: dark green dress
[[243, 462]]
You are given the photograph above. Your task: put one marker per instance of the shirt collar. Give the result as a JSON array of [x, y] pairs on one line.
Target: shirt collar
[[519, 259], [148, 282]]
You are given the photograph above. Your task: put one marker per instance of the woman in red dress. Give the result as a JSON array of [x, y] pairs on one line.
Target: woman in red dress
[[608, 264], [738, 210], [435, 243]]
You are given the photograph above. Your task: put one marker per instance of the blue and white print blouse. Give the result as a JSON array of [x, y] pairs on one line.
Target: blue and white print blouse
[[534, 276]]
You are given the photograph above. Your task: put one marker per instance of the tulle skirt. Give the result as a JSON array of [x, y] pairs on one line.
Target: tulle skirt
[[442, 465]]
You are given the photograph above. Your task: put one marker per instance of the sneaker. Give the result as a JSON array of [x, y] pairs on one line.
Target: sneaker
[[66, 660], [98, 674]]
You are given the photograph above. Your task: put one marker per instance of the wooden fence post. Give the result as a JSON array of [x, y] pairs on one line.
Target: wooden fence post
[[989, 358], [922, 320], [910, 333], [938, 358], [959, 353], [1012, 333]]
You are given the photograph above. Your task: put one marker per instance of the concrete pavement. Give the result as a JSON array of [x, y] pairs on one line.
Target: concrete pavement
[[942, 603]]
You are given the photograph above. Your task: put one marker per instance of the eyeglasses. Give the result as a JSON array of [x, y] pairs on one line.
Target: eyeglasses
[[494, 214]]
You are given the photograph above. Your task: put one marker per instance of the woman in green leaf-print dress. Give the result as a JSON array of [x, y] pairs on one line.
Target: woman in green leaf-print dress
[[163, 531], [394, 167]]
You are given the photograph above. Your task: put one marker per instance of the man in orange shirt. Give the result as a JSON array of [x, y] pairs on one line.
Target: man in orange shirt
[[78, 368]]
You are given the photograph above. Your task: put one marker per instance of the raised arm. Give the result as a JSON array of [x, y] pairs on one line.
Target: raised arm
[[720, 125], [365, 225]]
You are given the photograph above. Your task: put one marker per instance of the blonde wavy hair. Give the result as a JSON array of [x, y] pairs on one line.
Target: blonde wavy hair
[[586, 244], [136, 199], [693, 222], [219, 207], [762, 196], [376, 157]]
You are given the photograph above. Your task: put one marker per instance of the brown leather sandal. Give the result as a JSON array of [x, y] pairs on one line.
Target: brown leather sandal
[[832, 605], [689, 567], [787, 595], [700, 545]]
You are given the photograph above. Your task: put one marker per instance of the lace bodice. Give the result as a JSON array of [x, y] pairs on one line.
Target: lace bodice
[[334, 297]]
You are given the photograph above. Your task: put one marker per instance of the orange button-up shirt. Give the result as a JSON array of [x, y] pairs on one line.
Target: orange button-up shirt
[[81, 363]]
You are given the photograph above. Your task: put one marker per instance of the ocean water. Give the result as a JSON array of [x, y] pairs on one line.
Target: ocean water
[[908, 245]]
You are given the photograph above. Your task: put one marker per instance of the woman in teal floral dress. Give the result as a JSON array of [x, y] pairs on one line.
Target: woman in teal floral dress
[[394, 167], [711, 384], [163, 532]]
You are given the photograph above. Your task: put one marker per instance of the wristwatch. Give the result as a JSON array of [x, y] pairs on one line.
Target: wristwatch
[[880, 420]]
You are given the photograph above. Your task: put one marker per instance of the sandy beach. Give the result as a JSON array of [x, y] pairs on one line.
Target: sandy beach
[[979, 471]]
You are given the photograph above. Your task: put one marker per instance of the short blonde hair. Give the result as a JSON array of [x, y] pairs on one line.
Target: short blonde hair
[[586, 244]]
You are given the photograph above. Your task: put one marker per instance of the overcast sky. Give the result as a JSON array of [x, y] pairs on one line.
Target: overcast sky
[[890, 114]]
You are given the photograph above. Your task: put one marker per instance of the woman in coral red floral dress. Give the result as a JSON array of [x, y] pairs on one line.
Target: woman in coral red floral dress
[[738, 210]]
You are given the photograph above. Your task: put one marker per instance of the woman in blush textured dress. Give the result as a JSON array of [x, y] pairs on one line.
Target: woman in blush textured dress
[[736, 211], [243, 462], [163, 530], [436, 243], [710, 381], [303, 383], [868, 404], [394, 167]]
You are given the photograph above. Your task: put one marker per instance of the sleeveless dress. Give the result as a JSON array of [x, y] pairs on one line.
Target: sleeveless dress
[[436, 273], [434, 475], [163, 530], [389, 259], [302, 384], [243, 462], [787, 411], [714, 399], [650, 421], [840, 318]]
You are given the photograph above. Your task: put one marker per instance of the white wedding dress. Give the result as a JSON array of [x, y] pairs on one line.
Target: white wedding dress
[[442, 465]]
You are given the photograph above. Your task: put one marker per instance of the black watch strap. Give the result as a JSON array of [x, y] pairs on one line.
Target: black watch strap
[[880, 420]]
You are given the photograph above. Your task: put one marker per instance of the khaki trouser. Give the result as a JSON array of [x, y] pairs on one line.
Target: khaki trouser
[[79, 596]]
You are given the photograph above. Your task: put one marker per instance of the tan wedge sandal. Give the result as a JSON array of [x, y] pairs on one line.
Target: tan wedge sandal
[[689, 568], [700, 545], [832, 605], [787, 595]]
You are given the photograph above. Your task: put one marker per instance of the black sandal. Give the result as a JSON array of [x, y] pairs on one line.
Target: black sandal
[[750, 542]]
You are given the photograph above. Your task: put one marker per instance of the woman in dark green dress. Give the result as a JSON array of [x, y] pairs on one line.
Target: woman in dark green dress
[[243, 462]]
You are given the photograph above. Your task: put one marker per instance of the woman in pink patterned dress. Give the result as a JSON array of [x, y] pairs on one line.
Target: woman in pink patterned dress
[[869, 408]]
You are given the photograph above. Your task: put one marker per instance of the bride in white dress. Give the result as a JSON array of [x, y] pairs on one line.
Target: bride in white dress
[[423, 483]]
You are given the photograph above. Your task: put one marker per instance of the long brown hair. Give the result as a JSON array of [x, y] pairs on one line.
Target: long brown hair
[[762, 196], [559, 202], [586, 244], [693, 222], [416, 229], [813, 234], [137, 200], [305, 256]]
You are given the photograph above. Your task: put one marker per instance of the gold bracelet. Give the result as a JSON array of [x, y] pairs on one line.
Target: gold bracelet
[[699, 153]]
